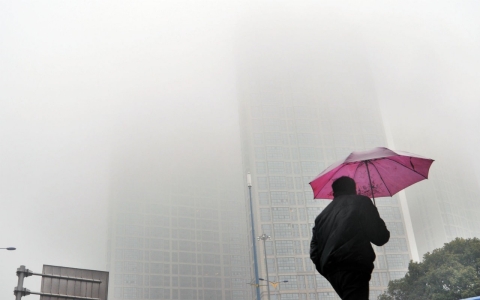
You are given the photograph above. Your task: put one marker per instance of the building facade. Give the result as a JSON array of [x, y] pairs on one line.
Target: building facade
[[301, 112], [172, 240]]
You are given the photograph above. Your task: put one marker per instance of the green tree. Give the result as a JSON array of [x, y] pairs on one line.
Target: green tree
[[449, 273]]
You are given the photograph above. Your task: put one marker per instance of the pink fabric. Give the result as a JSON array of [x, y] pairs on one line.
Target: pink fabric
[[390, 172]]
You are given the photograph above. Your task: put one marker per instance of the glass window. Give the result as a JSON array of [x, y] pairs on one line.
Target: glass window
[[129, 218], [258, 139], [298, 183], [302, 215], [380, 262], [299, 264], [265, 214], [259, 153], [262, 183], [308, 153], [306, 230], [276, 138], [256, 112], [297, 246], [257, 125], [159, 256], [397, 261], [282, 230], [273, 111], [267, 229], [307, 139], [274, 152], [310, 167], [291, 198], [279, 198], [129, 242], [261, 167], [157, 244], [397, 275], [130, 254], [159, 232], [188, 294], [291, 284], [286, 264], [301, 198], [379, 279], [322, 282], [132, 293], [293, 139], [263, 198], [389, 213], [396, 245], [289, 296], [288, 167], [343, 140], [395, 228], [330, 155], [277, 182], [284, 247], [156, 220], [158, 209], [276, 167], [275, 125], [304, 112], [311, 281], [281, 213], [304, 125], [313, 212], [133, 267]]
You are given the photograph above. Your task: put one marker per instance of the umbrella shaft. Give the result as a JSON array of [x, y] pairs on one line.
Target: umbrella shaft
[[370, 181]]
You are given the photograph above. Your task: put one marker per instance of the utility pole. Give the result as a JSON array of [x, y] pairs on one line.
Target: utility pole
[[255, 260], [264, 238]]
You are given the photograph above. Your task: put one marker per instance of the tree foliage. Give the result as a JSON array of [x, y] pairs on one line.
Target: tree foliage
[[448, 273]]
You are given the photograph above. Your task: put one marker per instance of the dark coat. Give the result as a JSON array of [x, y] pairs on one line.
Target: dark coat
[[342, 235]]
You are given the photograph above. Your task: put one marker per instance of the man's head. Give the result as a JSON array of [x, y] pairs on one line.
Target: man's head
[[344, 186]]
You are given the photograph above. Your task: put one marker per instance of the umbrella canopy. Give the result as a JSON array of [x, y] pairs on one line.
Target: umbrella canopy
[[379, 172]]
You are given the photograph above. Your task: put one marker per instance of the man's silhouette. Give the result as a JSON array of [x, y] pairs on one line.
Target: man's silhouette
[[340, 247]]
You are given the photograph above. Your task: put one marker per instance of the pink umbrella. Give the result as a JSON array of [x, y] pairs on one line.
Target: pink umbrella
[[379, 172]]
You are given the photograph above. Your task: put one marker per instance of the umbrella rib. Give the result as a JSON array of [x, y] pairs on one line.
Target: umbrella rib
[[341, 166], [358, 166], [381, 178], [406, 167]]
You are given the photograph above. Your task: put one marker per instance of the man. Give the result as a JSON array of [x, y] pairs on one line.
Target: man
[[340, 247]]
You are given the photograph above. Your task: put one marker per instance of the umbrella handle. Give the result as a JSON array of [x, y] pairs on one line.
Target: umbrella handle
[[370, 180]]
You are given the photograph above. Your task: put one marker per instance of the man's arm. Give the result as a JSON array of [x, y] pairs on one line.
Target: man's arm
[[313, 247], [375, 227]]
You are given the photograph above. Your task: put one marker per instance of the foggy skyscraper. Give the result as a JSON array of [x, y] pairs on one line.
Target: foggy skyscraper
[[173, 234], [303, 108]]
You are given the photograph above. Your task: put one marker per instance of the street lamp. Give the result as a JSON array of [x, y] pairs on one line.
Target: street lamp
[[10, 248], [274, 284], [265, 237], [255, 260]]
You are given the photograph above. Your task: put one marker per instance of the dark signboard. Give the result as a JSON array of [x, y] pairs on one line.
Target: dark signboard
[[62, 283]]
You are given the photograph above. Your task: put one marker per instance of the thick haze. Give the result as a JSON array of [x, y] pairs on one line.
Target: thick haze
[[79, 80]]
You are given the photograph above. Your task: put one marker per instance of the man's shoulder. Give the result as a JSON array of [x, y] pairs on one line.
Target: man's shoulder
[[356, 199]]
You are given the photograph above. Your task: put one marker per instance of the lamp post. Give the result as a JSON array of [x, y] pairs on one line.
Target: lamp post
[[10, 248], [265, 237], [255, 260]]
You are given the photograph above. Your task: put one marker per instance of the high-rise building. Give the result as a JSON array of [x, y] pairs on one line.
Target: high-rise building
[[304, 107], [175, 236]]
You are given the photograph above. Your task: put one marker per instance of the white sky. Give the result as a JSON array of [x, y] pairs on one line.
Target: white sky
[[77, 77]]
